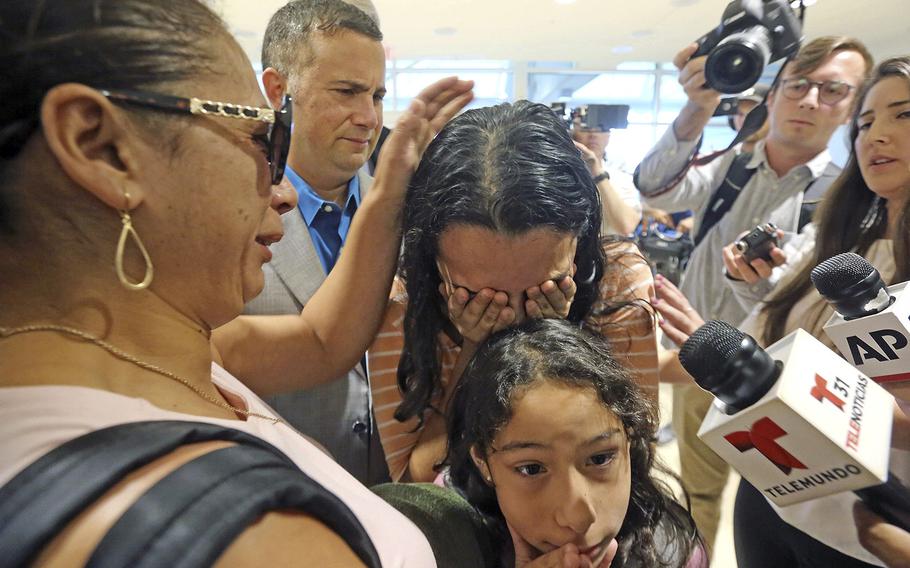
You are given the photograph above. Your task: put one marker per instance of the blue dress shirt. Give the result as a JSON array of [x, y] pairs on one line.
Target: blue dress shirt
[[327, 222]]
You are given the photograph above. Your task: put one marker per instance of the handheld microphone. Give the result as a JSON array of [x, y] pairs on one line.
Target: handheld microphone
[[796, 421], [871, 323]]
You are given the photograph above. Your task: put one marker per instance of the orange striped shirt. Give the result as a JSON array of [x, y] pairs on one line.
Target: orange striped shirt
[[630, 329]]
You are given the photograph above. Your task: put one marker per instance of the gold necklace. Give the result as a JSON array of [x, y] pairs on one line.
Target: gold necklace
[[120, 354]]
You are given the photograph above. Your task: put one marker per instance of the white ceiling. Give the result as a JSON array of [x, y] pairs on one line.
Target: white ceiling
[[586, 32]]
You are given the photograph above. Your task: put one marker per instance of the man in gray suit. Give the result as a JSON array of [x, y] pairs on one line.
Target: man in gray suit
[[328, 56]]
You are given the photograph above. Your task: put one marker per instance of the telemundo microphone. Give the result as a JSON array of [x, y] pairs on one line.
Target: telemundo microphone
[[871, 323], [797, 421]]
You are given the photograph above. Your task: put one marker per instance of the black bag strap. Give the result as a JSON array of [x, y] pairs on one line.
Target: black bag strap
[[815, 192], [191, 516], [722, 199], [738, 175], [50, 492], [44, 497]]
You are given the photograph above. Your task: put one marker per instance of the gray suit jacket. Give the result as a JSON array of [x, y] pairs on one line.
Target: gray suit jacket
[[338, 414]]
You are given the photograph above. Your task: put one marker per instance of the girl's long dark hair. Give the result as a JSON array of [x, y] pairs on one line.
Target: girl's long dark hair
[[557, 350], [850, 218], [509, 168]]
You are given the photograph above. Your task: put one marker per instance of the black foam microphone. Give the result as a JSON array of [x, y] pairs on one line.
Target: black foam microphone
[[871, 326], [729, 364], [851, 285]]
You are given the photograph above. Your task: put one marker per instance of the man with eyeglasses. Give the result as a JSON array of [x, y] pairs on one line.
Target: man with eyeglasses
[[812, 100], [328, 56]]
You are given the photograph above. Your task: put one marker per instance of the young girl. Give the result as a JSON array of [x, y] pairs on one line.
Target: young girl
[[550, 440]]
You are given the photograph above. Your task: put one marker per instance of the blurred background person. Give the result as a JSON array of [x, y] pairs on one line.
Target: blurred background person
[[620, 199]]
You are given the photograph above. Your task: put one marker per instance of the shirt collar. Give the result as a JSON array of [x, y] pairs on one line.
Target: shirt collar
[[309, 202], [759, 156], [816, 165]]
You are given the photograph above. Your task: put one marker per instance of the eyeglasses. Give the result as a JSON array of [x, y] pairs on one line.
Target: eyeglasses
[[279, 135], [829, 92]]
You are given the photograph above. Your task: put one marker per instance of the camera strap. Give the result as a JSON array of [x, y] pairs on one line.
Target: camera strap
[[738, 175], [722, 199]]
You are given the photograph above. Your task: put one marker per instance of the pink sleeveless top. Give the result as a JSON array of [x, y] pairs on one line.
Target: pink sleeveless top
[[35, 420]]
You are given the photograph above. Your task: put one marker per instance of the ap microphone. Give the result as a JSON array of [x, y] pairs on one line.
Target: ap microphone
[[870, 323], [796, 421]]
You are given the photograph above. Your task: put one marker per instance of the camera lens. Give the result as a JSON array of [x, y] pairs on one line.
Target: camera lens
[[738, 60]]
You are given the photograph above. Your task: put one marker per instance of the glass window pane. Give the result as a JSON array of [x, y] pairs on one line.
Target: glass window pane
[[672, 98], [716, 136], [636, 66], [633, 89], [462, 64], [389, 85], [628, 146], [551, 65], [489, 86], [618, 87]]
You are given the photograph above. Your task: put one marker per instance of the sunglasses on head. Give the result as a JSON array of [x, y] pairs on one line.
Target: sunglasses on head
[[279, 136]]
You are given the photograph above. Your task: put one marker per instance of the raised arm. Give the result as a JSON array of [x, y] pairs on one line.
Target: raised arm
[[673, 152], [695, 115], [618, 216], [279, 353]]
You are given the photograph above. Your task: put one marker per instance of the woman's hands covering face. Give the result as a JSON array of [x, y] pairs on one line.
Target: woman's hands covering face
[[551, 299], [477, 317]]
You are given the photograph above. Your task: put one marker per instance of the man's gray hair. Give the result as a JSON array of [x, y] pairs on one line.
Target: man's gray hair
[[287, 36], [368, 8]]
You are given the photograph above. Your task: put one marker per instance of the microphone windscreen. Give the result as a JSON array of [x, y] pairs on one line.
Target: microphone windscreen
[[840, 272], [709, 348]]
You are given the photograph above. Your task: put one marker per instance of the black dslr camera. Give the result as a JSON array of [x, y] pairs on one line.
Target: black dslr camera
[[602, 117], [751, 34], [758, 243]]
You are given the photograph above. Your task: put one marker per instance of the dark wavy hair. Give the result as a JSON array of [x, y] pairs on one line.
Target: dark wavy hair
[[509, 168], [112, 44], [850, 218], [556, 350]]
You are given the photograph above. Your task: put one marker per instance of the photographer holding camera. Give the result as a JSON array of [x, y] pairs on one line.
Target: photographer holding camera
[[736, 192], [621, 202]]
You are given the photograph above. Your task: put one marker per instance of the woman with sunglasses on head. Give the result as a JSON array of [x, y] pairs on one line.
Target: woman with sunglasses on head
[[137, 163], [501, 224], [865, 211]]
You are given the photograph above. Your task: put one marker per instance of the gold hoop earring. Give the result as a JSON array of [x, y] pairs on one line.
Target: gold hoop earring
[[129, 231]]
